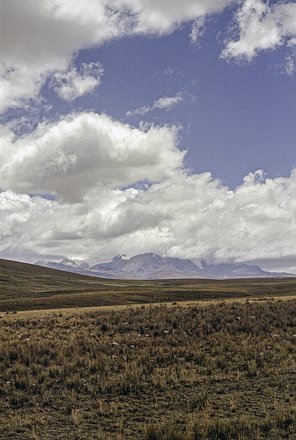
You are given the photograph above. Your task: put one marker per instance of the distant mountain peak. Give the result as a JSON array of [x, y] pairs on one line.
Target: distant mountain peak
[[69, 262], [119, 258], [152, 266]]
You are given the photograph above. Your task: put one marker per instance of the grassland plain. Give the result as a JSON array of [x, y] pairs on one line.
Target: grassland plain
[[28, 287], [151, 372]]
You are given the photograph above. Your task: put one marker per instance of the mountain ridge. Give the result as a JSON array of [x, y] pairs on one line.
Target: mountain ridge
[[153, 266]]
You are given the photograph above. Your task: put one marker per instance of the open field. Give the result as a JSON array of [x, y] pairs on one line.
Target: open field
[[85, 358], [219, 371], [27, 287]]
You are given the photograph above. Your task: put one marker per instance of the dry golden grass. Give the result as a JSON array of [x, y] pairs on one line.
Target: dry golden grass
[[151, 372]]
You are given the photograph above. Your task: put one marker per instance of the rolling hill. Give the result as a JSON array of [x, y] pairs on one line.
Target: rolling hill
[[29, 287]]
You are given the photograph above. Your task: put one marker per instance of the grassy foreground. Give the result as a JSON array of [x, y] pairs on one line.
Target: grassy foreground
[[162, 372]]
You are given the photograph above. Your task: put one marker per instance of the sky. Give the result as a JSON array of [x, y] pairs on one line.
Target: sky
[[131, 126]]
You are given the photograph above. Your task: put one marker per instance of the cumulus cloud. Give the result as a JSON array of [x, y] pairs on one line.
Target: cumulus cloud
[[185, 215], [41, 37], [164, 103], [93, 164], [74, 82], [86, 151], [261, 26], [161, 17]]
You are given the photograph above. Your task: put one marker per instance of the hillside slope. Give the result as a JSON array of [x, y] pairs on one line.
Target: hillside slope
[[22, 278], [29, 287]]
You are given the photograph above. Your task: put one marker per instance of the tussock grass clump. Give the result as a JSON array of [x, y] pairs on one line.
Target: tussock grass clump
[[226, 429]]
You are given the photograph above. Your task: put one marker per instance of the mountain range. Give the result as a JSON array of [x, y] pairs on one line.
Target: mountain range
[[153, 266]]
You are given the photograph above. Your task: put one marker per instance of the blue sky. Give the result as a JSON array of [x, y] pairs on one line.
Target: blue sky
[[235, 117], [90, 107]]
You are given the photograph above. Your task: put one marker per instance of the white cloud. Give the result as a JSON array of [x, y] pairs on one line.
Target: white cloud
[[289, 66], [92, 162], [41, 37], [162, 17], [167, 102], [198, 29], [185, 215], [261, 26], [86, 151], [18, 83], [164, 103], [74, 82]]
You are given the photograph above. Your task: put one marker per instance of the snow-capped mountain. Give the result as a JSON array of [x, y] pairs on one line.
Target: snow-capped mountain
[[148, 266], [66, 264], [152, 266]]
